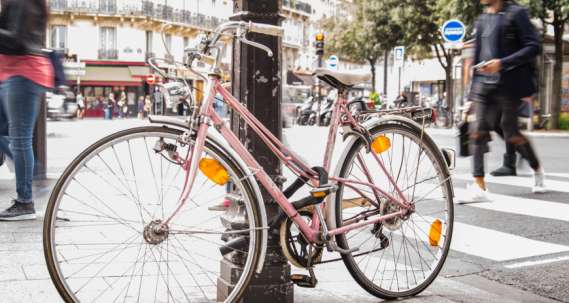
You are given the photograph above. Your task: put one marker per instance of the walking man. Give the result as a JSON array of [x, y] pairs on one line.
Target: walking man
[[506, 43]]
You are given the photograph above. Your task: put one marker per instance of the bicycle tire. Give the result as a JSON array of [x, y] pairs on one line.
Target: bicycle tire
[[250, 260], [359, 274]]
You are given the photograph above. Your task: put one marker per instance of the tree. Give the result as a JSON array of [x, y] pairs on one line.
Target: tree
[[421, 20], [367, 35], [556, 14]]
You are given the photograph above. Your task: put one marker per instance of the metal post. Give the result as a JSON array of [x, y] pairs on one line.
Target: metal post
[[319, 94], [399, 85], [450, 87], [257, 84], [39, 142], [385, 54]]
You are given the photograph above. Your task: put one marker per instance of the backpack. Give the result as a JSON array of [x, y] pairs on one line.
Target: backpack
[[58, 72]]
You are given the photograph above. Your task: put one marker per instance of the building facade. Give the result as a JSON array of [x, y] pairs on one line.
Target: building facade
[[115, 39]]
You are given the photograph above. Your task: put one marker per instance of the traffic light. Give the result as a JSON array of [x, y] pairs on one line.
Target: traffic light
[[319, 44]]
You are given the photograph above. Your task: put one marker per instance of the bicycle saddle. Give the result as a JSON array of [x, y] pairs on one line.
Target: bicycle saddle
[[347, 78]]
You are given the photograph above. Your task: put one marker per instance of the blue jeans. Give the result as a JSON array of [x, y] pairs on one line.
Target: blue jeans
[[19, 105]]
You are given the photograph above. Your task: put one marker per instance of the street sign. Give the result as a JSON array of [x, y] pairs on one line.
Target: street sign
[[76, 72], [399, 56], [150, 79], [74, 64], [453, 30], [333, 61]]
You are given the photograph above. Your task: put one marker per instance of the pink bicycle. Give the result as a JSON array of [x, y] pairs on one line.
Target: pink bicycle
[[130, 219]]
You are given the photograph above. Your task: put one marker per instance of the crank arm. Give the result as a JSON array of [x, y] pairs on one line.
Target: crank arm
[[333, 247]]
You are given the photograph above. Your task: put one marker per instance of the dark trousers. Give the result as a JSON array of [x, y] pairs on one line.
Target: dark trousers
[[492, 105]]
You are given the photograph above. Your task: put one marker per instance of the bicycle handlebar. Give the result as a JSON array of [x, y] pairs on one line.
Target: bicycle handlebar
[[266, 29]]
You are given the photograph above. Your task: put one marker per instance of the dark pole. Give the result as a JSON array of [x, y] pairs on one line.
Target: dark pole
[[39, 142], [319, 93], [450, 87], [385, 73], [257, 84]]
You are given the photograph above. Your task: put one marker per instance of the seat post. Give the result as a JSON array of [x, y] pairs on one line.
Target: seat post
[[340, 90]]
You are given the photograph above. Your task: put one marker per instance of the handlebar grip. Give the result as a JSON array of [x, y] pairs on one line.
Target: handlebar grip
[[266, 29], [207, 59]]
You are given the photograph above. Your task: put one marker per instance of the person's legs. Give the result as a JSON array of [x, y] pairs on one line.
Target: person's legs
[[513, 136], [21, 100], [4, 127], [509, 166]]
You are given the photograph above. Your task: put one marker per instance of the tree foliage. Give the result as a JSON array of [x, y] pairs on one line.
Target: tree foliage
[[556, 14], [365, 37]]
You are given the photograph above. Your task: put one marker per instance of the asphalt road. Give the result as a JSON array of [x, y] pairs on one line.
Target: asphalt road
[[514, 249]]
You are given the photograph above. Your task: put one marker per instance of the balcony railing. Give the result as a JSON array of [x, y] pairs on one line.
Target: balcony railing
[[108, 54], [298, 5], [148, 8]]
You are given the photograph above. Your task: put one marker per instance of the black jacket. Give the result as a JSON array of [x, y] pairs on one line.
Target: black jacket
[[515, 52], [22, 27]]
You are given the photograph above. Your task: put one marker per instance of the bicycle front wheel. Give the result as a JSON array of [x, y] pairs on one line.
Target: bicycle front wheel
[[398, 257], [103, 234]]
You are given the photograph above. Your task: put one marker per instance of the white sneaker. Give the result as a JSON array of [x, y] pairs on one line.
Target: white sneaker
[[539, 187], [474, 194]]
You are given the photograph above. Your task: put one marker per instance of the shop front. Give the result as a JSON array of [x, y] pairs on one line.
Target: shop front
[[100, 81]]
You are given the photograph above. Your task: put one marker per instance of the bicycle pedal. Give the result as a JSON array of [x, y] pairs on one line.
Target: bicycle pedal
[[303, 281]]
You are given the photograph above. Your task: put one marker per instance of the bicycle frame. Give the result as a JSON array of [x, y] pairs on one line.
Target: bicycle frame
[[209, 117]]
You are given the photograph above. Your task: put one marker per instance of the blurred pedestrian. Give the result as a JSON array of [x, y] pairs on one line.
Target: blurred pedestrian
[[110, 106], [80, 105], [148, 106], [122, 107], [506, 44], [401, 100], [25, 75], [141, 107]]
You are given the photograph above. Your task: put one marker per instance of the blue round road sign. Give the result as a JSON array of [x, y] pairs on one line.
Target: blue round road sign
[[333, 61], [453, 30]]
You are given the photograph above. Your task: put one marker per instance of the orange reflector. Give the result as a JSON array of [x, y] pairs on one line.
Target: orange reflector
[[381, 144], [214, 171], [297, 276], [319, 194], [435, 233]]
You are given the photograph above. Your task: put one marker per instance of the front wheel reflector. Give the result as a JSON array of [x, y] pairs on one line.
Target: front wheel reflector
[[214, 171], [435, 232], [381, 144]]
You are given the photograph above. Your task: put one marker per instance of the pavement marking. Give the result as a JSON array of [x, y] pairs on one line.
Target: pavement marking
[[530, 263], [522, 206], [516, 181], [563, 175], [492, 244]]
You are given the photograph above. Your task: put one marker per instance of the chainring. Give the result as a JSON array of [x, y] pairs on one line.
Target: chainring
[[295, 247]]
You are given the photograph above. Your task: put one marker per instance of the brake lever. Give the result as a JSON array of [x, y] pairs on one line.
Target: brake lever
[[255, 44]]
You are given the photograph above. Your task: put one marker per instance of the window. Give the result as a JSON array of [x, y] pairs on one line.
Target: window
[[168, 40], [58, 38], [107, 49], [149, 35], [186, 42]]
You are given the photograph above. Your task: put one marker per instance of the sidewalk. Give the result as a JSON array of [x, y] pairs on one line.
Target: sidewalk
[[25, 277], [534, 134]]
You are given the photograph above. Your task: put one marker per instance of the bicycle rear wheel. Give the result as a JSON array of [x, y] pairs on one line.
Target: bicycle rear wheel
[[101, 236], [398, 257]]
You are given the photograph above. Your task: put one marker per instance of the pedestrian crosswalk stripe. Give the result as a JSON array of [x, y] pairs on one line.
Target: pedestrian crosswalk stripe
[[517, 181], [494, 245], [522, 206], [532, 263], [563, 175]]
